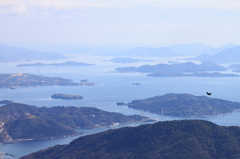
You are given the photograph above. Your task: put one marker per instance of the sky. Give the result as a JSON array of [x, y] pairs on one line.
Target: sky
[[110, 22]]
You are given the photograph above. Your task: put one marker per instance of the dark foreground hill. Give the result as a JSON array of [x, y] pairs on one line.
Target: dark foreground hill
[[186, 139], [185, 105], [23, 122]]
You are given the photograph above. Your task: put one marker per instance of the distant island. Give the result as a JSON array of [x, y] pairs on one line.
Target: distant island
[[201, 74], [128, 60], [121, 103], [26, 80], [185, 105], [20, 122], [178, 139], [68, 63], [175, 68], [180, 69], [66, 96]]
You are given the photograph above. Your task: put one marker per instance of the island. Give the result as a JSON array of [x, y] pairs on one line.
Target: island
[[174, 68], [21, 122], [66, 96], [185, 105], [128, 60], [68, 63], [180, 69], [196, 74], [121, 103], [26, 80]]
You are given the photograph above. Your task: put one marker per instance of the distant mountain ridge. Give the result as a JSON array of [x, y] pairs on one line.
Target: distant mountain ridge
[[13, 54], [137, 50], [189, 49], [228, 55], [186, 139]]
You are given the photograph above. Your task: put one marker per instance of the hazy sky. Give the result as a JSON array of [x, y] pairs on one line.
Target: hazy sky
[[151, 22]]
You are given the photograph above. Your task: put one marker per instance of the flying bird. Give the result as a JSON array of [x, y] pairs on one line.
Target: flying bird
[[208, 93]]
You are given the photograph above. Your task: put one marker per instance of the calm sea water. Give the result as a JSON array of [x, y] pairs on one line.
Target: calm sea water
[[110, 88]]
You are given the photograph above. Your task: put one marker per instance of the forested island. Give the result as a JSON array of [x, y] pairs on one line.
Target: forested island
[[196, 74], [185, 105], [27, 80], [128, 60], [68, 63], [185, 139], [19, 122], [180, 69], [66, 96]]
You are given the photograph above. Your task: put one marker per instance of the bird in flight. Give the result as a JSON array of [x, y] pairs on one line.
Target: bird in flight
[[208, 93]]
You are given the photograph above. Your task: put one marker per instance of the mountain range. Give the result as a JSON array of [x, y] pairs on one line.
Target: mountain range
[[228, 55], [13, 54], [139, 50]]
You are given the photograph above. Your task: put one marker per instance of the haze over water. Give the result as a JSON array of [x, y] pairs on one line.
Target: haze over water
[[111, 87]]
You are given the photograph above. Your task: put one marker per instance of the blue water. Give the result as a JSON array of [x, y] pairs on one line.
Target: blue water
[[111, 87]]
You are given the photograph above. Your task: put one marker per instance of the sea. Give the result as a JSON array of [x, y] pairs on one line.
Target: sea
[[111, 87]]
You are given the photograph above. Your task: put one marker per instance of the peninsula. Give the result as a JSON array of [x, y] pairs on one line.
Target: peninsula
[[68, 63], [27, 80], [20, 122], [185, 105]]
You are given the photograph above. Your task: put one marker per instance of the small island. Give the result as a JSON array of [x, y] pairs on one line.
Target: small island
[[121, 103], [66, 96]]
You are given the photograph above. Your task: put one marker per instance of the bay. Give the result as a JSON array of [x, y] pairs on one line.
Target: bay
[[111, 87]]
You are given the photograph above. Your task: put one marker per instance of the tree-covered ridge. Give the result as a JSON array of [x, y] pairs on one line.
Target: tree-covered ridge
[[184, 139], [23, 121], [33, 127], [174, 68], [185, 105], [26, 80], [67, 63]]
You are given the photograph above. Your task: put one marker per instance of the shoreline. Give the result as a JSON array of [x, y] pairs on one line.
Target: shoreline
[[78, 133]]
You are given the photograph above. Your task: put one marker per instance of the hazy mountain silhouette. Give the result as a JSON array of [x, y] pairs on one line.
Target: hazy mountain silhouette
[[228, 55], [11, 54], [189, 49]]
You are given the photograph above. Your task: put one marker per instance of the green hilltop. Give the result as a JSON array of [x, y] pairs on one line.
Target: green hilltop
[[184, 139]]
